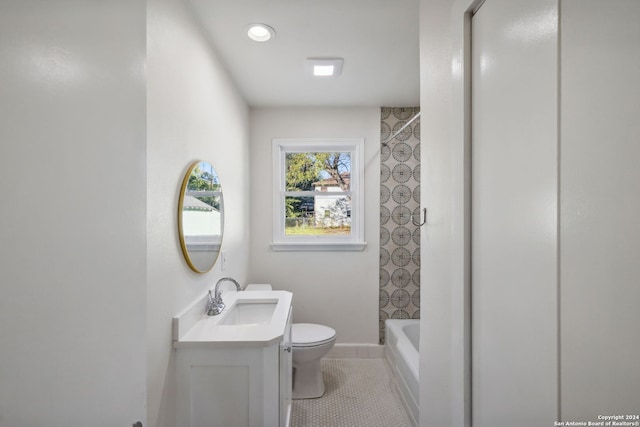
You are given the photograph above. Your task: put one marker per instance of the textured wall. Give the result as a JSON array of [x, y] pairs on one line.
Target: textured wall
[[399, 214]]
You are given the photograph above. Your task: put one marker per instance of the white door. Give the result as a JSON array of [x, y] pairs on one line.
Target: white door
[[514, 213], [600, 220]]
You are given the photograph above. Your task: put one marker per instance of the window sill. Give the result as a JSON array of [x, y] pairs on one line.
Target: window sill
[[316, 246]]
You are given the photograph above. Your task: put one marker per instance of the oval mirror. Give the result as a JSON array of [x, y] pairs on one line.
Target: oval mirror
[[201, 216]]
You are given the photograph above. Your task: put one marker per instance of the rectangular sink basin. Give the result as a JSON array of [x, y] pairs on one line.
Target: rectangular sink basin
[[250, 313]]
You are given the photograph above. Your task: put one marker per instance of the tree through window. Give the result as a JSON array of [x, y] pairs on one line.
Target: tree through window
[[317, 193]]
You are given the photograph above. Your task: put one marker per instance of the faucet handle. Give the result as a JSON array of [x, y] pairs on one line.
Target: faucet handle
[[215, 299], [214, 304], [211, 309]]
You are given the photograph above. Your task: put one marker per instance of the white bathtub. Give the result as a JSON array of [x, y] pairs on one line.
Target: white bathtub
[[401, 352]]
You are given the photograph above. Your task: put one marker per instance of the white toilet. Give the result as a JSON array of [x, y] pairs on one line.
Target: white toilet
[[310, 344]]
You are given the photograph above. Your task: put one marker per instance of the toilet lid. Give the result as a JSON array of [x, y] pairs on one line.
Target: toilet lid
[[309, 335]]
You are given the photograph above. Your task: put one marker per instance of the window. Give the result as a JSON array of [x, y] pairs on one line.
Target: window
[[318, 188]]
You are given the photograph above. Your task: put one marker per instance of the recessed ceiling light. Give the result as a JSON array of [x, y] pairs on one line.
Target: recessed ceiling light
[[260, 32], [323, 70], [325, 67]]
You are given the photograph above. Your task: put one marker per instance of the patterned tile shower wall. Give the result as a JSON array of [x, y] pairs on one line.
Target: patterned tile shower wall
[[399, 213]]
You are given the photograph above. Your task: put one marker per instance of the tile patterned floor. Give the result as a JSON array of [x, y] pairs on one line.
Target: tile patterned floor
[[358, 393]]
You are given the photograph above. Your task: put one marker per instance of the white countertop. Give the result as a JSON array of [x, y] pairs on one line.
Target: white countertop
[[193, 328]]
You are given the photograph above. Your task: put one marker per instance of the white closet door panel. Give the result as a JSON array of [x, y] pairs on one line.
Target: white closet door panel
[[514, 213], [600, 211]]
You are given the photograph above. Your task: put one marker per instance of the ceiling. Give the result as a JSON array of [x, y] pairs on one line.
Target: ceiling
[[377, 39]]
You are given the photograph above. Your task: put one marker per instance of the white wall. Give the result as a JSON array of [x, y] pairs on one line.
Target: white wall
[[72, 223], [194, 113], [337, 289], [442, 323]]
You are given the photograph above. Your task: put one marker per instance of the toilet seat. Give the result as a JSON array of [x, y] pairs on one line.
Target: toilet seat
[[311, 335]]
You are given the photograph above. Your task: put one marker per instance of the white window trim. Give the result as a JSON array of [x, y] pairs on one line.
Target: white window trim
[[355, 242]]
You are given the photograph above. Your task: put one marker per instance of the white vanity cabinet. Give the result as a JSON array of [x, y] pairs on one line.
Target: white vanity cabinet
[[235, 378], [286, 375]]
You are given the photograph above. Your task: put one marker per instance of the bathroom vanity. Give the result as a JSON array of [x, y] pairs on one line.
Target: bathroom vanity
[[234, 369]]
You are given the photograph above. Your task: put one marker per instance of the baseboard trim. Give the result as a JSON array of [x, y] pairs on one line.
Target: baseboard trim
[[356, 351]]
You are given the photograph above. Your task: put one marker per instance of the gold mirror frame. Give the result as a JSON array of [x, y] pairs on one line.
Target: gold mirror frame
[[200, 236]]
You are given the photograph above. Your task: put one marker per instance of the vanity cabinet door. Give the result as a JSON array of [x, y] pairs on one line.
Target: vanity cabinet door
[[286, 375]]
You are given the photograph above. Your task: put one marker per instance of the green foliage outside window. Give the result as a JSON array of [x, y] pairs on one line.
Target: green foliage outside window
[[200, 180], [304, 172]]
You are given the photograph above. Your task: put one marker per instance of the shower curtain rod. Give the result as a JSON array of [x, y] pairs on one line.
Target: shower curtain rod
[[386, 141]]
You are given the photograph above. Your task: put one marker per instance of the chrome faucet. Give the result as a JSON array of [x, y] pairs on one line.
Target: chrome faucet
[[215, 304]]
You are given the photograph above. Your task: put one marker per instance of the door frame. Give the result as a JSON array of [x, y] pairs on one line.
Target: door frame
[[462, 12]]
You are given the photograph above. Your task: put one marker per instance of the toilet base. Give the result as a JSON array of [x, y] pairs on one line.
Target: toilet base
[[307, 380]]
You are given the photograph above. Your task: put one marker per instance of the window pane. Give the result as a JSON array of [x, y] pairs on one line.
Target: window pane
[[318, 171], [318, 216]]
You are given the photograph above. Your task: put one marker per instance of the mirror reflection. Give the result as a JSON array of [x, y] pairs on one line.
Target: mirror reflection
[[201, 216]]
